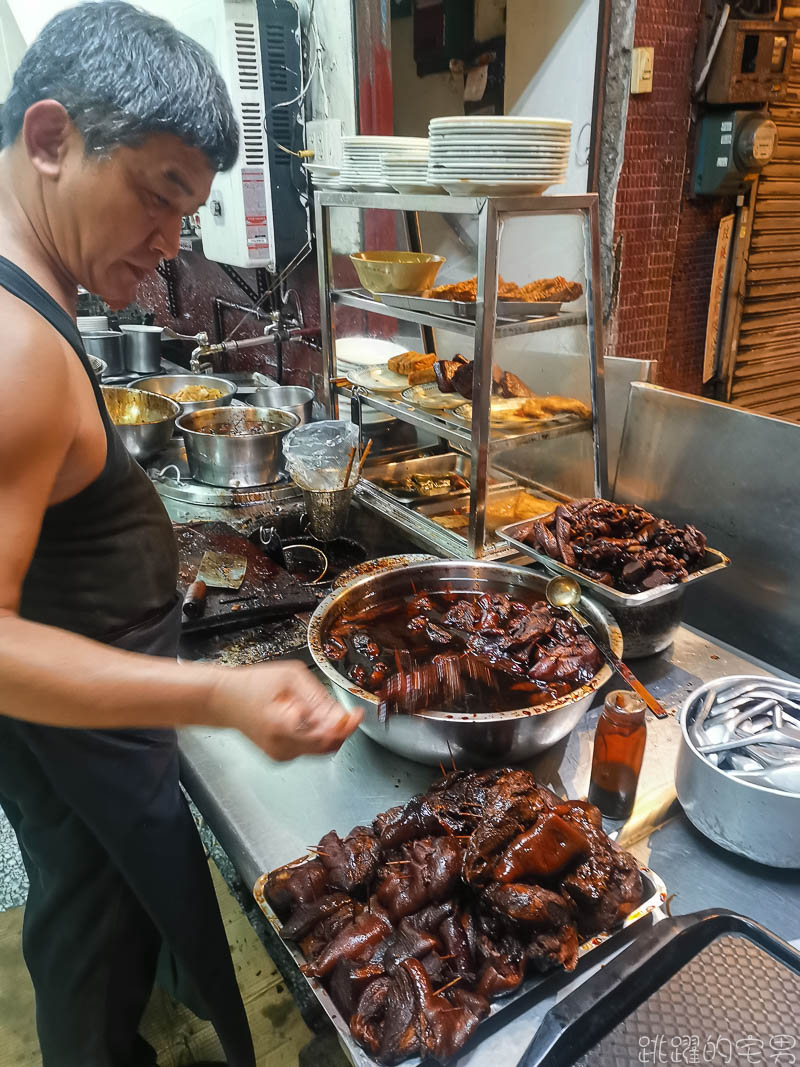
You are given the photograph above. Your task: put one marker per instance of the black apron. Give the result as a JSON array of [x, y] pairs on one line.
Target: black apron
[[115, 863]]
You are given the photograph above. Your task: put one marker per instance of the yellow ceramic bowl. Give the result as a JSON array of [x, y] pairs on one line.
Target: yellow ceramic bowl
[[396, 272]]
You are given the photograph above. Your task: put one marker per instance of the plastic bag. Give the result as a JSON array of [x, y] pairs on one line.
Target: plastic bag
[[317, 454]]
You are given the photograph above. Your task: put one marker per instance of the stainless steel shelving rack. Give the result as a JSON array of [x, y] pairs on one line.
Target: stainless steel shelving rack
[[481, 439]]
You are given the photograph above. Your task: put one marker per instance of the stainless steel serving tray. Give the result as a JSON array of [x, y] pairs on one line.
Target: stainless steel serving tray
[[441, 505], [507, 310], [648, 620], [516, 532], [655, 895], [448, 462]]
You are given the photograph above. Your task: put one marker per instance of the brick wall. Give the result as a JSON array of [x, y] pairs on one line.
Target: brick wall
[[666, 243]]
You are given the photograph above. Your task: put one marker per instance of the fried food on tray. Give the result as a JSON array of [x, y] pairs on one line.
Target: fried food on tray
[[407, 362], [422, 377], [555, 289], [542, 290], [543, 407], [522, 505]]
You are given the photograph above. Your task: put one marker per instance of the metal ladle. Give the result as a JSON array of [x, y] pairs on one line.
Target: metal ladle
[[564, 592]]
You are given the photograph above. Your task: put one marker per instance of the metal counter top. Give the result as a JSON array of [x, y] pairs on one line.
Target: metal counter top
[[265, 814]]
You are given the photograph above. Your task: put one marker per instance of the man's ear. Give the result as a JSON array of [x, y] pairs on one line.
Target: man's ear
[[46, 130]]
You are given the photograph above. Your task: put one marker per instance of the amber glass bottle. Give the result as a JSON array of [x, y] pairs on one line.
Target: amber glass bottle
[[618, 751]]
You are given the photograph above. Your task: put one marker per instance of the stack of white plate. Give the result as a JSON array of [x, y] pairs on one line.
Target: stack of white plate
[[407, 172], [323, 175], [473, 155], [92, 323], [362, 168]]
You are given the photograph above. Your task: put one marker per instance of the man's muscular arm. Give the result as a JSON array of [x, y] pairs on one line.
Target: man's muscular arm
[[55, 677]]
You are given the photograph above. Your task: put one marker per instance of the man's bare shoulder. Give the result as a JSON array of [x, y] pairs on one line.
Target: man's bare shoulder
[[35, 365]]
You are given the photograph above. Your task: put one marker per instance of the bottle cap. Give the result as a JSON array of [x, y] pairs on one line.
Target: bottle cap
[[625, 701]]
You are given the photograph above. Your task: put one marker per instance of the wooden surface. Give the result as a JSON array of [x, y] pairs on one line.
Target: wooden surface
[[274, 591], [179, 1037]]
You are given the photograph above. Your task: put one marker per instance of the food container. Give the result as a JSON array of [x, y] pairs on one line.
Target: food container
[[655, 895], [142, 349], [390, 476], [496, 497], [294, 398], [108, 346], [648, 620], [397, 272], [217, 456], [751, 820], [144, 421], [166, 384], [440, 736]]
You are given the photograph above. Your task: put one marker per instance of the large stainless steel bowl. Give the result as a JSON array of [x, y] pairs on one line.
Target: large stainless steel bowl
[[218, 457], [752, 820], [144, 421], [435, 736], [167, 384]]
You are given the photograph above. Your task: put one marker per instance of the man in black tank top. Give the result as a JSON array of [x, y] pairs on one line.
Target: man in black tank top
[[112, 132]]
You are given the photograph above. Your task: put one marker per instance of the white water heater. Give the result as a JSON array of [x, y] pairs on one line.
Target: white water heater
[[257, 212]]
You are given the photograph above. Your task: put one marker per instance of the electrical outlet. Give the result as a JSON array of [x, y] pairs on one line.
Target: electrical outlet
[[324, 137], [642, 70]]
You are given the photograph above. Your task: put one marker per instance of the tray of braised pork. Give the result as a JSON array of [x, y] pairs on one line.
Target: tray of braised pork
[[468, 651], [448, 908], [620, 550]]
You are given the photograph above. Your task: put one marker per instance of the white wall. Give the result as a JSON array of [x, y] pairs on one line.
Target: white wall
[[550, 61], [12, 47], [418, 100]]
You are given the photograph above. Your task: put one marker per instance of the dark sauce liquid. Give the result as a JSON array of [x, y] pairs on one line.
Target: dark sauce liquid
[[493, 679], [613, 789]]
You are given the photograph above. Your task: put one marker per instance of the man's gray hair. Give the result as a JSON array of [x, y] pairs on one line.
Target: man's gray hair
[[122, 74]]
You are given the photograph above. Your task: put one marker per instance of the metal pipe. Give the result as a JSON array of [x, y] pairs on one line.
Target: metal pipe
[[228, 347], [489, 227]]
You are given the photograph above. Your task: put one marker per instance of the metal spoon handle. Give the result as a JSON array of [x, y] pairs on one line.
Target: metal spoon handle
[[621, 668]]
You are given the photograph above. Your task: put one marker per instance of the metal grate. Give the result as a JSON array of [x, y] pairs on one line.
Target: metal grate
[[252, 122], [766, 376], [246, 57]]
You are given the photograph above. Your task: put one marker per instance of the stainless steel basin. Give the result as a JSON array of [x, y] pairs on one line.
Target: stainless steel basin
[[438, 736]]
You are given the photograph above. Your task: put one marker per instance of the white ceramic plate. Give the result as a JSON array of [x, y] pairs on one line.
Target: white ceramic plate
[[502, 121], [500, 142], [502, 412], [491, 150], [490, 166], [430, 397], [366, 351], [378, 379], [469, 187], [414, 189]]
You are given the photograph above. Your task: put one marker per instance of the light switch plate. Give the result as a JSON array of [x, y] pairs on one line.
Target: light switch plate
[[642, 70]]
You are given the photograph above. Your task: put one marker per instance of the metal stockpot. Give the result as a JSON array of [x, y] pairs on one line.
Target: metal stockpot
[[218, 457], [107, 345], [751, 820], [294, 398], [435, 737], [142, 348]]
